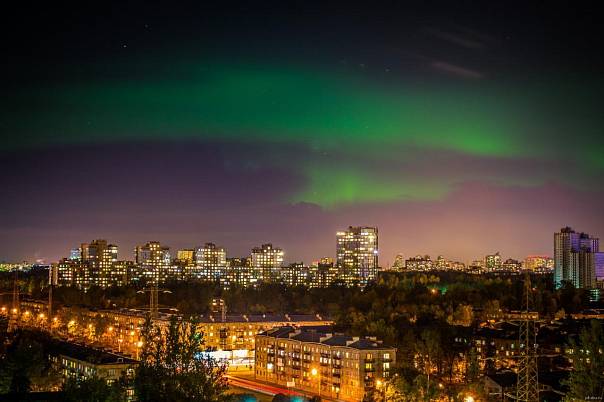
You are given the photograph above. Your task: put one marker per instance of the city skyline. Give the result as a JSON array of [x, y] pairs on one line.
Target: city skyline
[[385, 260]]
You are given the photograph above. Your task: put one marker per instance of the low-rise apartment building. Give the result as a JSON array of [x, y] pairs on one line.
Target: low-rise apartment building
[[330, 365]]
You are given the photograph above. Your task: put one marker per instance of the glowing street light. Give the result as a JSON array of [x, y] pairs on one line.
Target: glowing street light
[[314, 372], [139, 345], [468, 398]]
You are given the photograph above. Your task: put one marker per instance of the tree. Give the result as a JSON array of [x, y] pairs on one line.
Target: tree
[[93, 389], [473, 368], [23, 365], [173, 366], [428, 350], [586, 381]]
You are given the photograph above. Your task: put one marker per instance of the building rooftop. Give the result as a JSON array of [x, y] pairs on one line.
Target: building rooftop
[[318, 335], [255, 318], [88, 354]]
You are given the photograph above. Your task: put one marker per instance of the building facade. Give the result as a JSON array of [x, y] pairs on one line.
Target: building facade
[[210, 262], [334, 366], [153, 261], [357, 254], [267, 262], [492, 262], [576, 258]]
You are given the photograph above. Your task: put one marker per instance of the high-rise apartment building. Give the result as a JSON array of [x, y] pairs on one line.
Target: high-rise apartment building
[[297, 274], [154, 261], [210, 262], [267, 261], [576, 256], [492, 262], [186, 256], [535, 262], [96, 265], [419, 263], [75, 254], [357, 254], [100, 257], [599, 268], [324, 274]]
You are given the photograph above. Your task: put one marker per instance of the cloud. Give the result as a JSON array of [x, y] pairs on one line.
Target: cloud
[[456, 70]]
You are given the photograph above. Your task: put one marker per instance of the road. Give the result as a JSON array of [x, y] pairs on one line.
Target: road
[[268, 389], [259, 387]]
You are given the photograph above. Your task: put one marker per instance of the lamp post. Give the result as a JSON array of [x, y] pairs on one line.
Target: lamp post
[[139, 345], [382, 385], [315, 373]]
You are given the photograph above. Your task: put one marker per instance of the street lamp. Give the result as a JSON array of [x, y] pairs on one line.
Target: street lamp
[[314, 372], [381, 384], [139, 345], [468, 398]]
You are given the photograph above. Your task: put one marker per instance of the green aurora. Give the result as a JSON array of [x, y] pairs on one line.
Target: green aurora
[[350, 116]]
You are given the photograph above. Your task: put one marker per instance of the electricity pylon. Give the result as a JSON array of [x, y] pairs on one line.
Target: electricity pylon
[[16, 307], [527, 387], [154, 298]]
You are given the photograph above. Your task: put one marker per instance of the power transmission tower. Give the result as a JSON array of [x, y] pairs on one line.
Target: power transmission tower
[[16, 307], [50, 285], [154, 298], [527, 387]]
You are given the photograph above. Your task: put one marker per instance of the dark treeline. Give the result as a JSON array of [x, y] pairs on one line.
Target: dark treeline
[[438, 294]]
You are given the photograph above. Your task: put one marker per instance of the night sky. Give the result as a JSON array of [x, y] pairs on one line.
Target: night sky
[[457, 129]]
